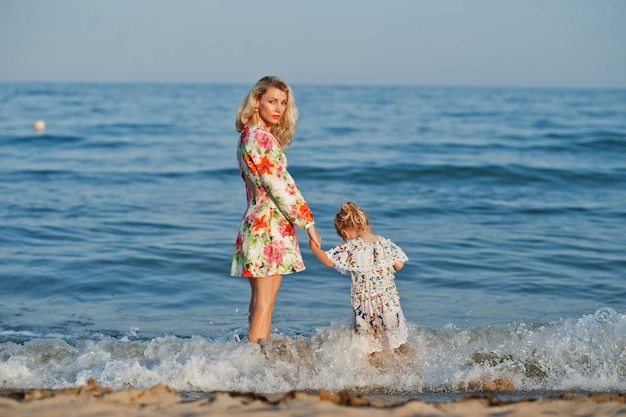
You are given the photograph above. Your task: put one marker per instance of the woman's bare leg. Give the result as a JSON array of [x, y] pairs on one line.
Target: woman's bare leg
[[252, 300], [263, 297]]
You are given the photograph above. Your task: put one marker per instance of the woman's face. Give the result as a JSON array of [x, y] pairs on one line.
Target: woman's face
[[272, 105]]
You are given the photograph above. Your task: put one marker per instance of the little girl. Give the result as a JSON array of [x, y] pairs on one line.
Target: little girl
[[372, 261]]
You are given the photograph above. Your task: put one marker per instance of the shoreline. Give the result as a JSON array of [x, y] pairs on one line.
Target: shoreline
[[160, 400]]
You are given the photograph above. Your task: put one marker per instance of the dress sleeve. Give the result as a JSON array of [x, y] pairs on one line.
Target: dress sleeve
[[393, 252], [353, 255], [265, 156], [342, 258]]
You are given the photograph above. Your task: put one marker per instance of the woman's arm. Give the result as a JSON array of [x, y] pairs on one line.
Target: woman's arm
[[314, 236], [320, 254], [266, 159]]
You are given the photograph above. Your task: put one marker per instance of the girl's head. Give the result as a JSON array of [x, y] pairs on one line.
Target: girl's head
[[351, 221], [269, 98]]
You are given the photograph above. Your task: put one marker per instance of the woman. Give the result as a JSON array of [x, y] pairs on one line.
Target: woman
[[267, 245]]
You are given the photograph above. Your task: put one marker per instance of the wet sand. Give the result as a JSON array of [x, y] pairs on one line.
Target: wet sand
[[94, 400]]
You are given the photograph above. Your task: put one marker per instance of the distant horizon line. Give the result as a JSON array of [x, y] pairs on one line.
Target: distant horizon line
[[328, 84]]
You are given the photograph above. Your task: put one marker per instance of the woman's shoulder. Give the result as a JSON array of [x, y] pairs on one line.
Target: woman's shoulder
[[256, 136]]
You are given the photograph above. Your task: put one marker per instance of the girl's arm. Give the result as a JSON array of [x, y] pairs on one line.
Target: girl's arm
[[320, 254], [398, 266]]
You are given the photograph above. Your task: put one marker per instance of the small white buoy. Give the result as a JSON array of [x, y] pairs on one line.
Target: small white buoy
[[40, 125]]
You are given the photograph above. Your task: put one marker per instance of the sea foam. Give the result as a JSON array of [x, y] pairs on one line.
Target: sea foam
[[586, 353]]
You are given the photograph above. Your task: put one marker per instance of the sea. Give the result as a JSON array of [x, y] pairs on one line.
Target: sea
[[118, 222]]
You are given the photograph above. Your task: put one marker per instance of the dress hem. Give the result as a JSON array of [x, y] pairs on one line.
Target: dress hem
[[264, 276]]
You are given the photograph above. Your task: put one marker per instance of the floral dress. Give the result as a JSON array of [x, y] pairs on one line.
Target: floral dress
[[267, 243], [375, 297]]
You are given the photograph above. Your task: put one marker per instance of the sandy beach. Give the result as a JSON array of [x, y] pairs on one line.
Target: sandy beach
[[94, 400]]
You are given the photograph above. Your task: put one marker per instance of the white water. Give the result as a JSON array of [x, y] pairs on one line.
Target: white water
[[587, 353]]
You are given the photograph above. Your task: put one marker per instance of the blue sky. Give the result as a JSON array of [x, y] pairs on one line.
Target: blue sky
[[545, 43]]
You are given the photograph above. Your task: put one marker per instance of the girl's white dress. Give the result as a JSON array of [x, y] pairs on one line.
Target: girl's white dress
[[375, 297]]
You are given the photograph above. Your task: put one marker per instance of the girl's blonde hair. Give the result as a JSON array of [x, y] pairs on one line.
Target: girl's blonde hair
[[286, 127], [351, 217]]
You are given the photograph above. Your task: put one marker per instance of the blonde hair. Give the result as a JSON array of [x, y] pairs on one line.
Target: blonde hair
[[286, 126], [351, 217]]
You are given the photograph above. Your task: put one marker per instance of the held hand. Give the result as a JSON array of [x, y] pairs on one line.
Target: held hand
[[316, 248], [314, 236]]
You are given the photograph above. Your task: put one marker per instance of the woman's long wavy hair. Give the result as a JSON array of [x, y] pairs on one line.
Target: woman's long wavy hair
[[286, 127]]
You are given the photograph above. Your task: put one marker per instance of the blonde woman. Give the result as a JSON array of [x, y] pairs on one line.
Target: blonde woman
[[267, 246]]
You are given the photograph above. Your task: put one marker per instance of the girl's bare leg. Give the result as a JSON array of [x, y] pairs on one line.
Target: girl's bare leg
[[263, 297]]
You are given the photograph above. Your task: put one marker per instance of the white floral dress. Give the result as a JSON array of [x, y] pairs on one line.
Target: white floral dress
[[375, 297], [267, 243]]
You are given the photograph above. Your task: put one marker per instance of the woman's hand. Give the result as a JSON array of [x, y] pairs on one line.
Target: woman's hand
[[314, 236], [316, 248]]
